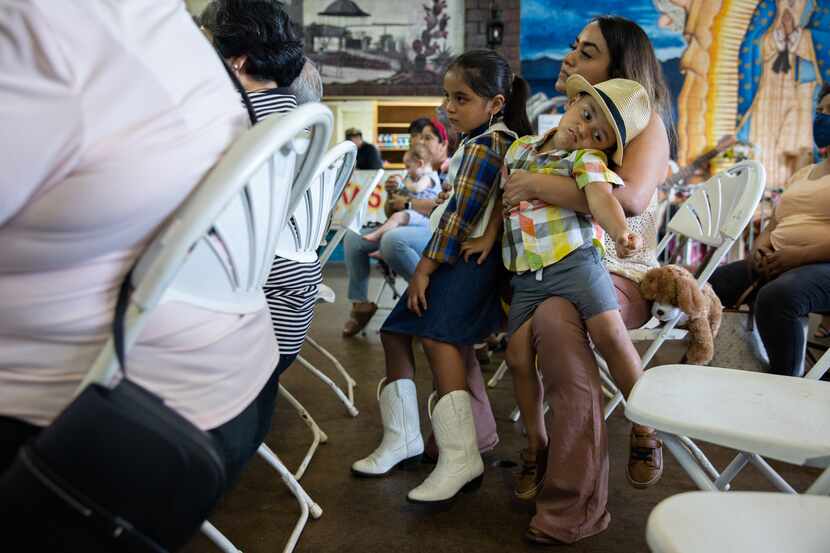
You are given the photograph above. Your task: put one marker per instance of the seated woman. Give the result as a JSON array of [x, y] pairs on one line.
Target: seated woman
[[93, 183], [401, 247], [790, 261]]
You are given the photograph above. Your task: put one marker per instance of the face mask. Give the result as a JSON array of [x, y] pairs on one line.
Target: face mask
[[821, 130]]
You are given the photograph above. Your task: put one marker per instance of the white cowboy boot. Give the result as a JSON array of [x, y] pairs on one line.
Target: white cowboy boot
[[459, 462], [402, 439]]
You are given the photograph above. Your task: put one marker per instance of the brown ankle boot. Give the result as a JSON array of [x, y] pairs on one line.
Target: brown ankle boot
[[532, 475], [645, 458], [360, 316]]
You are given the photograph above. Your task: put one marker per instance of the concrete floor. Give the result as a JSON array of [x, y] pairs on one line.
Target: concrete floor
[[361, 515]]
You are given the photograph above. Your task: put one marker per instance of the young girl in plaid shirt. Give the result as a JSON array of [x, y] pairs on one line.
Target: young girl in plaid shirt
[[452, 302], [555, 251]]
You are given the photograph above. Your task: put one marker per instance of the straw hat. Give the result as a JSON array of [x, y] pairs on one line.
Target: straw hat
[[624, 102]]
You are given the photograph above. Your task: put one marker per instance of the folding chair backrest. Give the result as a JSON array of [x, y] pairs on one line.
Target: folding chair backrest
[[354, 217], [717, 213], [217, 248], [309, 220]]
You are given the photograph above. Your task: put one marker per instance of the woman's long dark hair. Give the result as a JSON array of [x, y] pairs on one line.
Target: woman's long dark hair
[[632, 57], [488, 74]]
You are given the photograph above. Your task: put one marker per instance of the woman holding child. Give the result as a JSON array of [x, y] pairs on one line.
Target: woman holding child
[[571, 503], [573, 470]]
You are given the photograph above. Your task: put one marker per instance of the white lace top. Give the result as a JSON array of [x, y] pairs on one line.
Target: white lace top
[[635, 267]]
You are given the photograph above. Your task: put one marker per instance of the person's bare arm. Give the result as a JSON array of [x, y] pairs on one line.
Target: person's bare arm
[[606, 210], [424, 207], [644, 167], [551, 189]]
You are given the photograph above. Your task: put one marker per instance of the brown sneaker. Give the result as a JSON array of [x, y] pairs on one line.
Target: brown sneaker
[[532, 475], [645, 458], [360, 316]]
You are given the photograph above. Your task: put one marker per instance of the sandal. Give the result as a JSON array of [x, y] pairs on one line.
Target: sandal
[[821, 332], [359, 318]]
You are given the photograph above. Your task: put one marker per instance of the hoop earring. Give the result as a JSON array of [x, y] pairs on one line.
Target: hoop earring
[[491, 121]]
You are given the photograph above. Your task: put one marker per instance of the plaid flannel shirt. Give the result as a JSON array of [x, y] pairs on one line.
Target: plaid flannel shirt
[[537, 234], [476, 179]]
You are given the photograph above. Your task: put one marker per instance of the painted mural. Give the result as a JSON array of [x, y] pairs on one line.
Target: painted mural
[[383, 42], [745, 67]]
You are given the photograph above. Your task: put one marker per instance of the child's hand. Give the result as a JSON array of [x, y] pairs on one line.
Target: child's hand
[[481, 245], [417, 293], [393, 183], [628, 242]]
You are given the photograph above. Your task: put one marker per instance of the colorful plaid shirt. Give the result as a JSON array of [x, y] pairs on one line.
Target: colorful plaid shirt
[[475, 174], [537, 234]]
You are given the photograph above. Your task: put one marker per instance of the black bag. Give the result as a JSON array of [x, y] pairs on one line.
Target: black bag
[[117, 470]]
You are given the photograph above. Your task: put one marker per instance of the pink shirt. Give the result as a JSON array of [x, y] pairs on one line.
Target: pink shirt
[[110, 114]]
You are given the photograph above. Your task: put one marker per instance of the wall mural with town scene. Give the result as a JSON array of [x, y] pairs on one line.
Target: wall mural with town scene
[[383, 43]]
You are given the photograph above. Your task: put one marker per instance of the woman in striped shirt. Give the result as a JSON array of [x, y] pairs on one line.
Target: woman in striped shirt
[[258, 42]]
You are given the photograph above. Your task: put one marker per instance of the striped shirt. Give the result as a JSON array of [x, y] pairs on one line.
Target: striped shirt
[[537, 234], [273, 100], [475, 174], [291, 288]]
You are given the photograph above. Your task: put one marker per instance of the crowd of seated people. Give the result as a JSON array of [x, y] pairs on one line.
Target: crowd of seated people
[[84, 140]]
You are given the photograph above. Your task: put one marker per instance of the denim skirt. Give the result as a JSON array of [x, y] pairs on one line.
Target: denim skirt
[[463, 303]]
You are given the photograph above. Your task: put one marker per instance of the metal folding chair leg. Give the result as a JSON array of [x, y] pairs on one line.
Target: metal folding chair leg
[[610, 389], [307, 505], [319, 435], [499, 374], [218, 538], [349, 403], [383, 286], [350, 382]]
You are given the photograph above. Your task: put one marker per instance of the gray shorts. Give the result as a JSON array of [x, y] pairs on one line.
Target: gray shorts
[[580, 278]]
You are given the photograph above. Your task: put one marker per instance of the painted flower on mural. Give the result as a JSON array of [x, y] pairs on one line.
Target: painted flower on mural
[[436, 21]]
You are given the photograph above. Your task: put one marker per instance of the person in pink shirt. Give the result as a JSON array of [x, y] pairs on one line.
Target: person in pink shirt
[[111, 114]]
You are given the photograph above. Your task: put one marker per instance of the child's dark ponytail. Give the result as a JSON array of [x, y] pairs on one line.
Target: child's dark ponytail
[[488, 74], [515, 110]]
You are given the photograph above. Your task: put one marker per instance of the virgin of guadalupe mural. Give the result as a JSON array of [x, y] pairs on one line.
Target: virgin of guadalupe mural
[[779, 72]]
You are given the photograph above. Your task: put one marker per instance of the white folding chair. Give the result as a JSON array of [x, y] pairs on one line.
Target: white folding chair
[[709, 522], [716, 214], [217, 248], [353, 216], [300, 242], [760, 415]]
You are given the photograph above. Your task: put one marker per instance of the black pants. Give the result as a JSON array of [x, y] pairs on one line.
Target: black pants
[[781, 308], [238, 438]]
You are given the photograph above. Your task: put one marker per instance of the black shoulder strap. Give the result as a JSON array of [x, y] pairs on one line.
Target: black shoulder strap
[[118, 320]]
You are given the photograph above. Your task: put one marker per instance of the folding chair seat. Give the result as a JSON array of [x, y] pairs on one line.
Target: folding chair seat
[[708, 522], [760, 415], [217, 249]]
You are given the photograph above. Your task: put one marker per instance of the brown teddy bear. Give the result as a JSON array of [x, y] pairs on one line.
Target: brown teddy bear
[[673, 288]]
